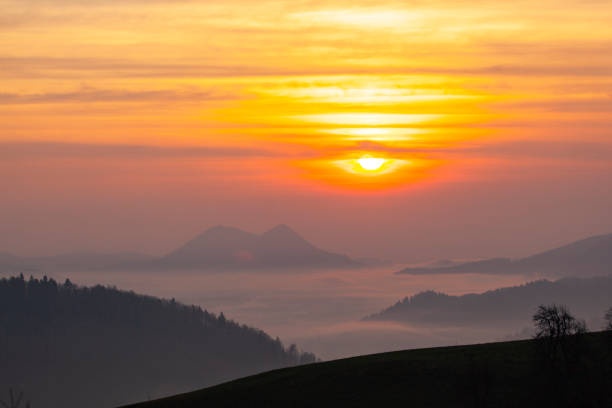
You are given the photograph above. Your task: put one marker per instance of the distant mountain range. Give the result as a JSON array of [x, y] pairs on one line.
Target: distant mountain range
[[216, 248], [233, 248], [230, 248], [587, 298], [587, 257]]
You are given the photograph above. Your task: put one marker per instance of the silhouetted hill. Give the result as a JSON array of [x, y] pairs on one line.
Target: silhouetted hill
[[226, 247], [587, 257], [587, 297], [216, 248], [487, 375], [72, 347]]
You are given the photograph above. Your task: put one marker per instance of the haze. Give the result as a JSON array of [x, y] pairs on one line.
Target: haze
[[133, 126], [195, 192], [320, 311]]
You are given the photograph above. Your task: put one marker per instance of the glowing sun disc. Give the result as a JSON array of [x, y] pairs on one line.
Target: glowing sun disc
[[371, 163]]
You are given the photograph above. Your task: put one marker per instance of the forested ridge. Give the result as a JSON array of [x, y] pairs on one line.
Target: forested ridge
[[587, 297], [72, 346]]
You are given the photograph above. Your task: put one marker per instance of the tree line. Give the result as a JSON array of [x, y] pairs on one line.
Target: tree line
[[74, 346]]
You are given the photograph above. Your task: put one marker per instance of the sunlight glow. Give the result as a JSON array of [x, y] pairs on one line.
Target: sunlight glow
[[380, 134], [362, 17], [318, 85], [377, 93], [367, 119], [371, 163]]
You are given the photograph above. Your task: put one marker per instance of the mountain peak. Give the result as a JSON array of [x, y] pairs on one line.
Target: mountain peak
[[223, 232], [282, 236], [588, 257], [281, 229], [221, 228], [232, 247]]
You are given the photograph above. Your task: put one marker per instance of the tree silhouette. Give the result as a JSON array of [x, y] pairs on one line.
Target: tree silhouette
[[608, 319], [559, 334], [555, 322], [14, 402], [66, 344]]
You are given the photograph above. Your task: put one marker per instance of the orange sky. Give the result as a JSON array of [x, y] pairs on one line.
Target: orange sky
[[123, 119]]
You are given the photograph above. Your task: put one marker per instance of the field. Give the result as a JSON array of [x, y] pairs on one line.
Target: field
[[507, 374]]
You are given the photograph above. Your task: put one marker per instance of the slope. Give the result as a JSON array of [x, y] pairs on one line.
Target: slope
[[497, 375]]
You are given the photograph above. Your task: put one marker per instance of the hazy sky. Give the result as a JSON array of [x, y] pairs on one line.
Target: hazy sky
[[134, 125]]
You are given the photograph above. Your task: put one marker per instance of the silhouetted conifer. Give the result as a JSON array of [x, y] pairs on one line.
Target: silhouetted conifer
[[68, 345]]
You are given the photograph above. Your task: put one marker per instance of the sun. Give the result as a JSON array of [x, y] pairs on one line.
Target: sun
[[371, 163]]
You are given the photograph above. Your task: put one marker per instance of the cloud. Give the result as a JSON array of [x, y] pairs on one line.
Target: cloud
[[88, 94], [51, 67], [90, 150], [593, 104], [541, 149], [537, 149], [538, 70], [69, 68], [98, 2]]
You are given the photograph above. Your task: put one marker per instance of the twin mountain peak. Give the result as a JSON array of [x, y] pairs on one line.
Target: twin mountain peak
[[223, 246]]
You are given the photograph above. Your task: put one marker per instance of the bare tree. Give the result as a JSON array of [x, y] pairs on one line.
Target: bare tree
[[608, 319], [555, 327], [555, 321], [14, 402]]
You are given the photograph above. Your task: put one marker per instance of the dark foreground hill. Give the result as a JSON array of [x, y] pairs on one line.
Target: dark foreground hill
[[587, 257], [67, 346], [509, 374]]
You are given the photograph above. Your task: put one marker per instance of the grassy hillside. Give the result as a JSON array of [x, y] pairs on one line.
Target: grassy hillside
[[508, 374]]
